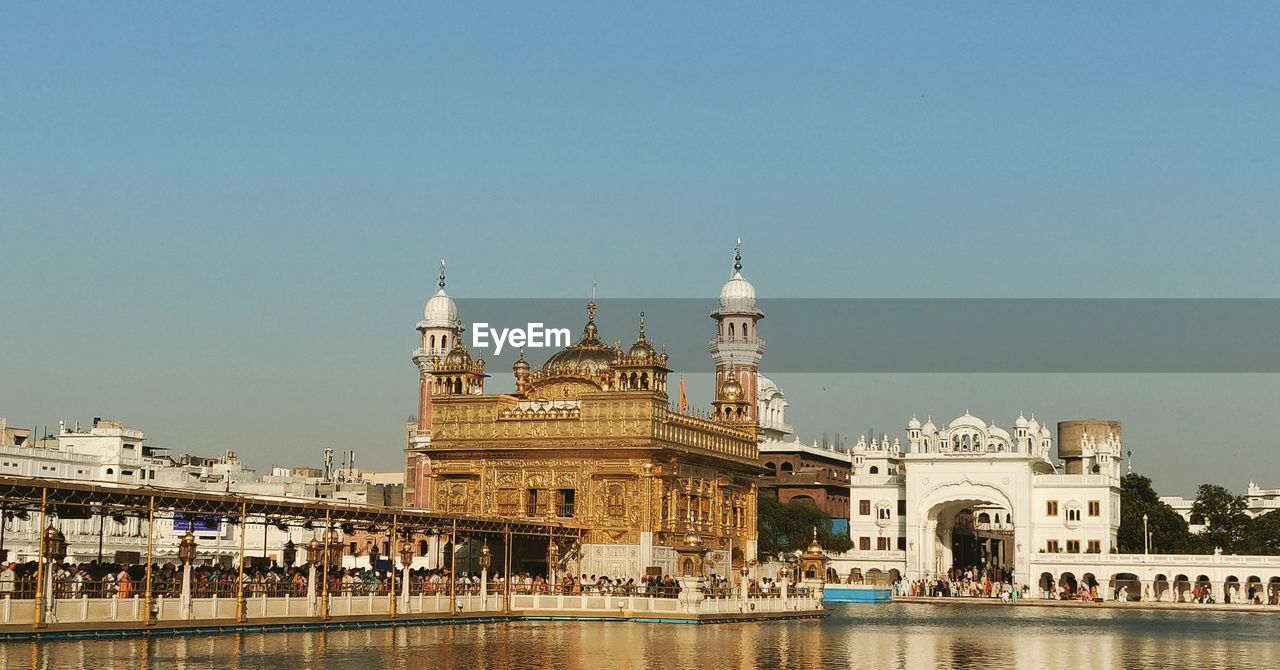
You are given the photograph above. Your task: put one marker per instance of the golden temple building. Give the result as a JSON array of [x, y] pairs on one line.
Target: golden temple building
[[590, 438]]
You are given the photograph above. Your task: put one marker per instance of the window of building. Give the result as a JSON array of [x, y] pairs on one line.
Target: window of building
[[1073, 514], [532, 502], [1073, 546], [1051, 546], [902, 543], [902, 508], [883, 513], [616, 501], [882, 544], [1095, 547], [508, 502], [786, 467], [564, 502], [874, 470], [864, 543], [1095, 508], [1051, 508], [864, 507]]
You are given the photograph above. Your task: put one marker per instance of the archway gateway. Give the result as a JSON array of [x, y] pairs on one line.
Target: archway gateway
[[963, 534]]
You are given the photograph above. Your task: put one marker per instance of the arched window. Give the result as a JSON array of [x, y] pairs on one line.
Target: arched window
[[771, 467], [433, 341], [731, 330], [745, 330], [444, 341], [875, 470], [786, 467], [111, 471]]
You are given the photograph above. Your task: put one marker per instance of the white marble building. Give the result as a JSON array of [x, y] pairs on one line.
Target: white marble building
[[975, 494], [111, 452]]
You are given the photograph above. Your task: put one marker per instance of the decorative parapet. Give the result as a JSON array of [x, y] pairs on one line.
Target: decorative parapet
[[542, 410]]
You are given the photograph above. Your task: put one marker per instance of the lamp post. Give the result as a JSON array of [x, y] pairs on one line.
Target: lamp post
[[406, 558], [187, 554], [315, 555], [745, 571], [55, 549], [1146, 543], [290, 553], [486, 560]]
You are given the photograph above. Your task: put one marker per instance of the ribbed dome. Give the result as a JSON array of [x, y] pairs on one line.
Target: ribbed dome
[[587, 357], [914, 423], [641, 349], [730, 390], [440, 312], [737, 294], [457, 359], [580, 359]]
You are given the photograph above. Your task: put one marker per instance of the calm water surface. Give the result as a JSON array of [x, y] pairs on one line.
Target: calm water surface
[[854, 636]]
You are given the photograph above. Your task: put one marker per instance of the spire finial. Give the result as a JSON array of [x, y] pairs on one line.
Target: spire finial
[[442, 273], [641, 325], [737, 256], [589, 331]]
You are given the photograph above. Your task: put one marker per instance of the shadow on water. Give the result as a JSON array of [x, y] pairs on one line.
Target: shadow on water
[[854, 636]]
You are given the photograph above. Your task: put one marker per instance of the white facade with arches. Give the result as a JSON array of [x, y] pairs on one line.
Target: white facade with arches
[[974, 494], [915, 505]]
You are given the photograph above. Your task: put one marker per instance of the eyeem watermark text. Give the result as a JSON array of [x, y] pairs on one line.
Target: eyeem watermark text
[[534, 336]]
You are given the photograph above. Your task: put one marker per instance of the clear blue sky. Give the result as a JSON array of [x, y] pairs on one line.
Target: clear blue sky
[[219, 221]]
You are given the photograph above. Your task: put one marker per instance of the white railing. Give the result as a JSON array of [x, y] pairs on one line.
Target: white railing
[[84, 610], [1225, 560], [877, 480]]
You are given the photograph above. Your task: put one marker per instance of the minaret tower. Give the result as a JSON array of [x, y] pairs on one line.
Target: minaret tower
[[438, 327], [736, 347]]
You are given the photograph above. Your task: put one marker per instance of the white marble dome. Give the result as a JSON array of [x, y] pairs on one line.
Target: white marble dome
[[737, 294], [440, 312]]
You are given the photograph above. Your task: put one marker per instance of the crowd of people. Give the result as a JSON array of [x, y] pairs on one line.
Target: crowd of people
[[123, 580], [972, 582]]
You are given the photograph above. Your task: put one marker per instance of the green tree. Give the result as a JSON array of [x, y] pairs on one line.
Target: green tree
[[1169, 532], [787, 527], [1224, 518], [1263, 535]]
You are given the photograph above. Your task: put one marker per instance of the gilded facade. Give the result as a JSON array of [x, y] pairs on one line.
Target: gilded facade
[[588, 438]]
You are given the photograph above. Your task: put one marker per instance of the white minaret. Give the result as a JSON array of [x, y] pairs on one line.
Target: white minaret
[[736, 346], [438, 326]]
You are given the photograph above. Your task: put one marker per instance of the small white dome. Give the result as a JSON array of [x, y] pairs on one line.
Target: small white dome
[[737, 294], [968, 421], [1044, 431], [928, 428], [996, 431], [440, 312], [1021, 422], [914, 423]]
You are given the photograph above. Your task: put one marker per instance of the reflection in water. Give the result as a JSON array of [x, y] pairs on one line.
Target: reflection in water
[[854, 636]]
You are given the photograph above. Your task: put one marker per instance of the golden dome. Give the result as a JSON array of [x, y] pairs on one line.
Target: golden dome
[[641, 349], [521, 365], [458, 358], [587, 357], [730, 390]]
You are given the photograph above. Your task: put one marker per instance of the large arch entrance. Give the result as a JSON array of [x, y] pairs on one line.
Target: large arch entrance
[[970, 535]]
